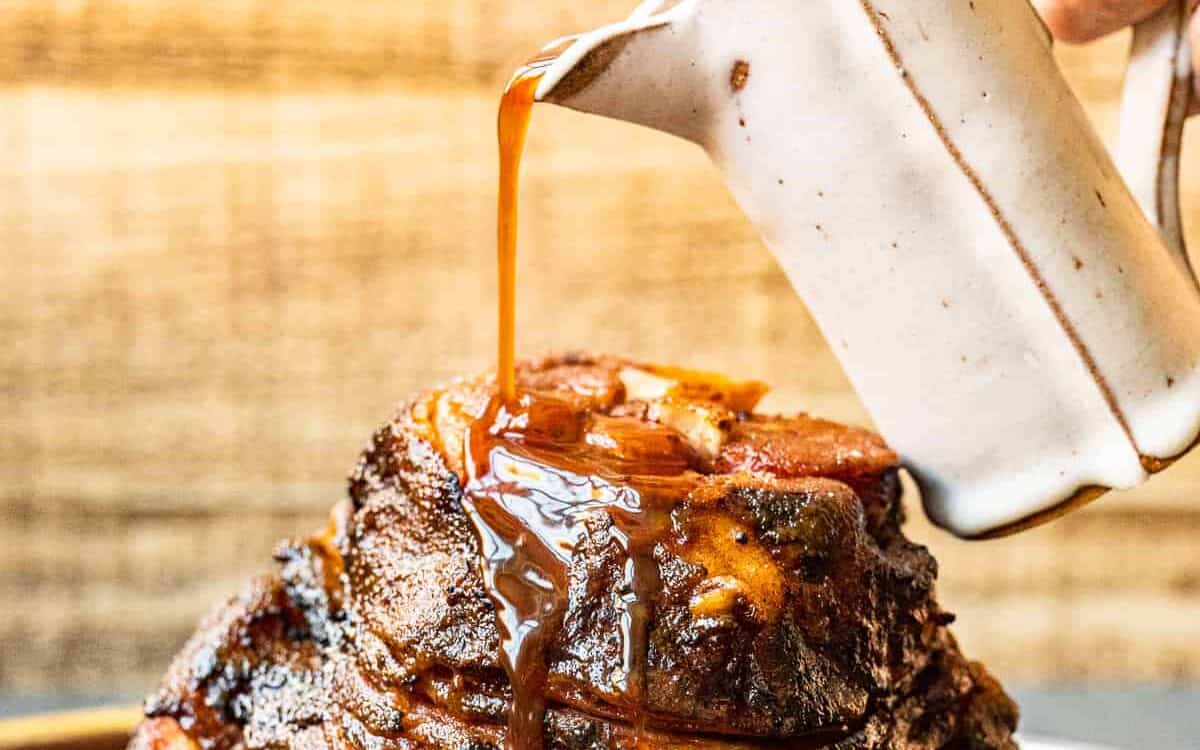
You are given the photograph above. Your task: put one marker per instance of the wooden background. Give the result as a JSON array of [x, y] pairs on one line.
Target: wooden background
[[234, 233]]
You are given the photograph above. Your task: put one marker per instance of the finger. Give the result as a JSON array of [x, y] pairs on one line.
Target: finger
[[1194, 36], [1079, 21]]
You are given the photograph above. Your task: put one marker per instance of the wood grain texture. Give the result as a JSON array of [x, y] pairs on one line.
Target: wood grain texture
[[235, 233]]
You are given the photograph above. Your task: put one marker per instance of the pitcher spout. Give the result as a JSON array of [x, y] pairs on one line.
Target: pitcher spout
[[640, 70]]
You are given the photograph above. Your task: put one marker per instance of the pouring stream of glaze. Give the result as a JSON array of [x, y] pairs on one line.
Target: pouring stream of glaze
[[539, 467], [516, 108]]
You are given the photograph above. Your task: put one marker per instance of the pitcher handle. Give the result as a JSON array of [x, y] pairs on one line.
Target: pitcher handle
[[1154, 106]]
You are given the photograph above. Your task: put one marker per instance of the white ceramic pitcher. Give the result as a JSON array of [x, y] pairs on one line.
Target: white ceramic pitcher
[[1016, 324]]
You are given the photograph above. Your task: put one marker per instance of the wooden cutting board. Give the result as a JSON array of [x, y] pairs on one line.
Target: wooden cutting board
[[92, 729]]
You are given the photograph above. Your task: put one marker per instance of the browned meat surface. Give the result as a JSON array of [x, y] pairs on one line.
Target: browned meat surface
[[790, 610]]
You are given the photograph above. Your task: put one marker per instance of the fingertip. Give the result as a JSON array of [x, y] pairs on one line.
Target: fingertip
[[1083, 21], [1065, 22], [1194, 38]]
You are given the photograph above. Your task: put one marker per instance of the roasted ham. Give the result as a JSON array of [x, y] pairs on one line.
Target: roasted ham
[[708, 578]]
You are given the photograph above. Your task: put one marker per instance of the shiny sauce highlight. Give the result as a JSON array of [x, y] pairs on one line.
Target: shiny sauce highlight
[[539, 467]]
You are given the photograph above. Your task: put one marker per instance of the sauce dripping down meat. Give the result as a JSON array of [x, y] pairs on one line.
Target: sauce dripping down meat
[[539, 469]]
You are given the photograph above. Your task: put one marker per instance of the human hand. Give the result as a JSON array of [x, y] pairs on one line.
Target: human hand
[[1079, 21]]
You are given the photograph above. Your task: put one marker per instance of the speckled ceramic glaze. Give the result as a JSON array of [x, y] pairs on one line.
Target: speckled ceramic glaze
[[1014, 321]]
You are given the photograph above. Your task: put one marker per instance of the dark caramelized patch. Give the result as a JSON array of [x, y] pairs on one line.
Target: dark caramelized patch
[[803, 446], [251, 673]]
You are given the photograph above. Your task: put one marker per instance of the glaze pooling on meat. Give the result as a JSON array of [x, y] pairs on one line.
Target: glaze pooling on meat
[[789, 610]]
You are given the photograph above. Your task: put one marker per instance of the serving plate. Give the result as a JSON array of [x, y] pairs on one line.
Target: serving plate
[[1040, 743], [90, 729], [109, 728]]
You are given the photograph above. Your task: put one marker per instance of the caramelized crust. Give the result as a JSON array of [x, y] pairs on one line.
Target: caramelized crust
[[792, 611]]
